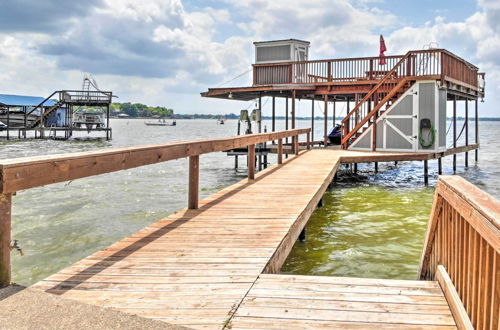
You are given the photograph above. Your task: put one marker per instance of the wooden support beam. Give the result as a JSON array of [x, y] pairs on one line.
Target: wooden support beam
[[251, 162], [286, 121], [280, 151], [466, 131], [334, 113], [454, 132], [294, 95], [376, 167], [312, 120], [476, 130], [440, 166], [274, 115], [194, 182], [456, 306], [426, 172], [5, 230], [325, 128]]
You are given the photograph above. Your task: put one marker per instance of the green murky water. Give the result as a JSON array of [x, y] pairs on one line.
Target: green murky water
[[365, 230]]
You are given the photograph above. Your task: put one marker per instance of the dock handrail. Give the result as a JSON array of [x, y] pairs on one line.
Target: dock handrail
[[29, 172], [463, 236]]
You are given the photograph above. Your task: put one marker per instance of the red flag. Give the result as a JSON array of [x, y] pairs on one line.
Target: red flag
[[382, 50]]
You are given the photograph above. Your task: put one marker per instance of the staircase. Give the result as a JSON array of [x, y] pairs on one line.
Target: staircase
[[47, 112], [379, 99]]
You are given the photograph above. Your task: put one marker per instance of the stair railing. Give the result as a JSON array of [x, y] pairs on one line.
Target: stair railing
[[392, 81]]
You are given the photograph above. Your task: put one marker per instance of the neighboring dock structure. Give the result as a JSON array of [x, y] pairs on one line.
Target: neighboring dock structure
[[214, 264], [394, 103], [56, 116]]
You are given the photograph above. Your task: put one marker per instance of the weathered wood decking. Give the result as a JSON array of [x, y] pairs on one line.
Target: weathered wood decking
[[198, 267]]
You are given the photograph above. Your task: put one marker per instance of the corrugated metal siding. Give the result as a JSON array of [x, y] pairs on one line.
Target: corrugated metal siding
[[273, 53], [395, 140], [404, 107], [442, 118], [426, 106]]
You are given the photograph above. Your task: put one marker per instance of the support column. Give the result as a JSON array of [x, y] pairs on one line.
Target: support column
[[274, 115], [466, 131], [260, 130], [294, 95], [477, 131], [454, 132], [5, 233], [308, 140], [251, 162], [280, 151], [286, 121], [376, 167], [334, 114], [194, 179], [440, 166], [312, 120], [325, 128], [8, 122], [426, 172]]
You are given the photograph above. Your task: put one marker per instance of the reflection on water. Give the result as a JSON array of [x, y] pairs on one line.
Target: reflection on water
[[373, 227]]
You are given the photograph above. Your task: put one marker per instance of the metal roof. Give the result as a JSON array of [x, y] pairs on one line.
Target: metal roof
[[282, 40], [23, 100]]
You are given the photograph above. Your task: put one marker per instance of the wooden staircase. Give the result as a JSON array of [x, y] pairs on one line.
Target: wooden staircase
[[380, 98], [53, 108]]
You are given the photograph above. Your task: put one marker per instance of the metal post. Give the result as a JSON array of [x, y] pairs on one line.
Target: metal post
[[426, 173], [5, 232], [325, 127], [355, 168], [376, 167], [194, 178], [454, 132], [440, 166]]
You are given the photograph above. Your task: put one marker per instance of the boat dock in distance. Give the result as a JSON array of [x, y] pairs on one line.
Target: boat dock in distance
[[216, 264]]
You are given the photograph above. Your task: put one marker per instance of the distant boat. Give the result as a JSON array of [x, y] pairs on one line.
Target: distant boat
[[89, 119], [160, 122], [221, 120]]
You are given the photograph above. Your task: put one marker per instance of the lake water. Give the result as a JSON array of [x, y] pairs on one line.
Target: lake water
[[371, 225]]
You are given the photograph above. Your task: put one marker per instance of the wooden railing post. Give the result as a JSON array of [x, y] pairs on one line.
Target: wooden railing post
[[194, 179], [296, 144], [5, 232], [251, 162], [308, 140], [280, 151]]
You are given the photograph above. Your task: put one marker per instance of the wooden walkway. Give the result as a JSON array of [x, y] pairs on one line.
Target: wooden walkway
[[196, 267]]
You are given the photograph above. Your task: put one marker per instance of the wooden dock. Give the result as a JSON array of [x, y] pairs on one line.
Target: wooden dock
[[196, 267], [214, 265]]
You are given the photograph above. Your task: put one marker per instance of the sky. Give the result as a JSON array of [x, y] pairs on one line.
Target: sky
[[165, 52]]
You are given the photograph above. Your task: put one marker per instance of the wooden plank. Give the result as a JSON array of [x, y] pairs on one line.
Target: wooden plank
[[5, 232], [451, 294], [194, 181]]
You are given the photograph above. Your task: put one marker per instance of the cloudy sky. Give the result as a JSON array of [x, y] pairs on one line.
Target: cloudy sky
[[164, 52]]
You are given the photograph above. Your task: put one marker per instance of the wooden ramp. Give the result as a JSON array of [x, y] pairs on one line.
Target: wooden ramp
[[320, 302], [195, 267]]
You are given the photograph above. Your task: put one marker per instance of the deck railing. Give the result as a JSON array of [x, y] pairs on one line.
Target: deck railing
[[24, 173], [437, 63], [463, 236]]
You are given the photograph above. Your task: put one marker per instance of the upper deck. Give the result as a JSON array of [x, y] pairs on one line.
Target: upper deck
[[347, 76]]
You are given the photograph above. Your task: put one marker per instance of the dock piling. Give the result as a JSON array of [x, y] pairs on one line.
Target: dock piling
[[302, 235], [251, 162], [280, 151], [194, 179], [440, 166], [426, 172], [376, 167]]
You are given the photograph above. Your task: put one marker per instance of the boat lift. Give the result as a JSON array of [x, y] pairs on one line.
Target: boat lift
[[261, 150]]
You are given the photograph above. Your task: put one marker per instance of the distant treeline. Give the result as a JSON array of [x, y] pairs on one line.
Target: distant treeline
[[141, 110]]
